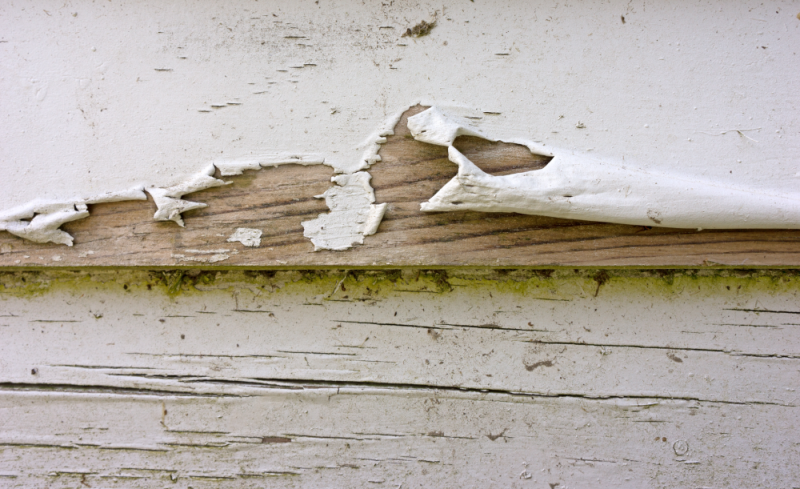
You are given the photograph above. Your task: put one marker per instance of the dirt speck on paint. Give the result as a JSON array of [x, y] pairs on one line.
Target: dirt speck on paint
[[674, 358], [534, 366], [495, 437], [654, 216], [422, 29]]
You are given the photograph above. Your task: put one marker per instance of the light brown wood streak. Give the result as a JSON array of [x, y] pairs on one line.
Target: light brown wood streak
[[278, 200]]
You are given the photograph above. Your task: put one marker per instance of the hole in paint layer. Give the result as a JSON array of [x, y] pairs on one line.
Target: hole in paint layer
[[411, 171], [496, 158]]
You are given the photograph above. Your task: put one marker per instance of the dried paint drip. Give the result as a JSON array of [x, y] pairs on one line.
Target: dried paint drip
[[578, 186]]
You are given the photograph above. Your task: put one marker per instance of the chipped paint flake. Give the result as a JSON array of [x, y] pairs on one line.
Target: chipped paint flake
[[353, 214], [246, 236], [169, 202]]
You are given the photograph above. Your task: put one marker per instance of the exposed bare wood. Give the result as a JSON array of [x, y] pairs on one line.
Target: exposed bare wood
[[278, 200]]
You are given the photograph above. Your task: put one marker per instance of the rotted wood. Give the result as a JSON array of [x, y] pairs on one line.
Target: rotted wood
[[277, 200]]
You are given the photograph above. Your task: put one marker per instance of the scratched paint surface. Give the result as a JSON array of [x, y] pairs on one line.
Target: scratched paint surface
[[474, 378], [104, 96]]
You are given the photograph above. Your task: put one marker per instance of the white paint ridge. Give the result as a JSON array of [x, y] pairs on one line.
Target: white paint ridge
[[578, 186]]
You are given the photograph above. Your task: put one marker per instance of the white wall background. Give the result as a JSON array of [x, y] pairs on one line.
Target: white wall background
[[85, 108]]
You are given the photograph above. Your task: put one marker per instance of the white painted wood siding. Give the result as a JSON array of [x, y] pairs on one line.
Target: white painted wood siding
[[472, 379]]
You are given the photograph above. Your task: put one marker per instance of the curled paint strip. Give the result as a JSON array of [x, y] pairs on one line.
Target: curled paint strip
[[578, 186], [46, 217]]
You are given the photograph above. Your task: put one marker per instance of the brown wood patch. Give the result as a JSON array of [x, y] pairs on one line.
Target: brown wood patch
[[277, 200]]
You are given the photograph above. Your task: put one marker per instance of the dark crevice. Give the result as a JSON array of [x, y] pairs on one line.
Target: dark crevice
[[100, 389], [672, 348], [443, 326], [303, 384], [499, 158], [763, 310]]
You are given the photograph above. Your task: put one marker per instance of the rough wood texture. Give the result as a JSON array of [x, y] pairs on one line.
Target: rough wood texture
[[413, 379], [278, 200]]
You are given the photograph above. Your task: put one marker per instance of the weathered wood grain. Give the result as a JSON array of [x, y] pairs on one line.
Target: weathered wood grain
[[278, 200], [411, 379]]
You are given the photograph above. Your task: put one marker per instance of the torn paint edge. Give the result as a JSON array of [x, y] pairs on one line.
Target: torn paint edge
[[578, 186], [39, 220], [47, 216]]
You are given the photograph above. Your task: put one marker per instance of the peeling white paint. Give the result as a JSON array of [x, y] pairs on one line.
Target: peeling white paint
[[578, 186], [353, 214], [372, 144], [169, 202], [39, 220], [69, 104], [237, 166], [246, 236], [573, 185]]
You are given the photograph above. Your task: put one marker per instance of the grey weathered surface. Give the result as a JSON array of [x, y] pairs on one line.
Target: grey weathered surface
[[476, 379]]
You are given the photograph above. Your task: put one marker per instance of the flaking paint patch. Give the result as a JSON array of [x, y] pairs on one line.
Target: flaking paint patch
[[353, 214], [246, 236], [169, 202], [579, 186]]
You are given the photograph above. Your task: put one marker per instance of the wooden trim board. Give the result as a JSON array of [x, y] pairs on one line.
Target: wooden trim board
[[277, 200]]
